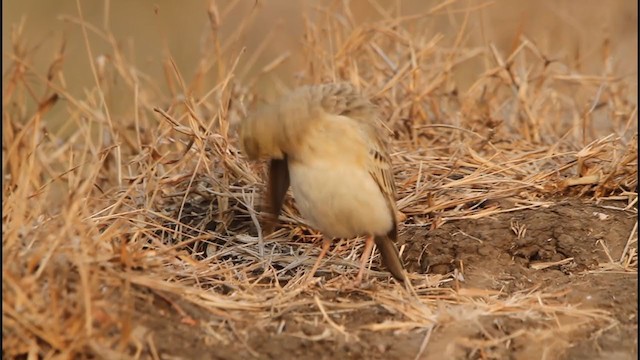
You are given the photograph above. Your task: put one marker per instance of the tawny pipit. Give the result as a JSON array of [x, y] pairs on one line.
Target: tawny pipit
[[327, 142]]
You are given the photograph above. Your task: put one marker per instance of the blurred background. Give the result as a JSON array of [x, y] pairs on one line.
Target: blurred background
[[581, 33]]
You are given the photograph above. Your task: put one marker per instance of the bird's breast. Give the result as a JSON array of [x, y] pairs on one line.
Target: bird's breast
[[339, 197]]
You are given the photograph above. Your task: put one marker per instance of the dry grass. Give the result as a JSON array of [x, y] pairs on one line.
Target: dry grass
[[94, 221]]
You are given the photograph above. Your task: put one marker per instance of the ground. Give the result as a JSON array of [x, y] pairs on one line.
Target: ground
[[488, 255]]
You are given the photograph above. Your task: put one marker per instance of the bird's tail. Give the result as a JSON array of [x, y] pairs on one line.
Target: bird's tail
[[390, 256]]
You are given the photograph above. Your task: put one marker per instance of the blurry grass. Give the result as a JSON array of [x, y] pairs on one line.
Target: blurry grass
[[108, 178]]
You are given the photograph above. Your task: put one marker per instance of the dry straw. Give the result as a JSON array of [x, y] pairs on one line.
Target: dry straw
[[160, 201]]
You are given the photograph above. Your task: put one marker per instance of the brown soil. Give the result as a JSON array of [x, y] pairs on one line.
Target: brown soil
[[490, 256]]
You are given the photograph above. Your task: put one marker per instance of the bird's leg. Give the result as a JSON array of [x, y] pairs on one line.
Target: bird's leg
[[325, 247], [366, 254]]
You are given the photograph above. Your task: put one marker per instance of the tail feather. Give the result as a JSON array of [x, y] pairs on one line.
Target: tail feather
[[390, 256]]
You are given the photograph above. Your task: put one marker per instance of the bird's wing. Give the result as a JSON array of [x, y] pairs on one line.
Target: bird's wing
[[380, 169], [379, 166]]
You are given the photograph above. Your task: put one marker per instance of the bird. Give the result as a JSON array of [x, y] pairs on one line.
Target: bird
[[328, 143]]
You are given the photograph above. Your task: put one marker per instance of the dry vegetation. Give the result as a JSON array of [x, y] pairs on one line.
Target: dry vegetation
[[123, 215]]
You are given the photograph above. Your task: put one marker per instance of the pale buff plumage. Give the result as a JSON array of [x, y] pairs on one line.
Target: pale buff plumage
[[327, 142]]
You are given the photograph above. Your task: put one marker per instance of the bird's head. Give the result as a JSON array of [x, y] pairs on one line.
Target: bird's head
[[259, 134]]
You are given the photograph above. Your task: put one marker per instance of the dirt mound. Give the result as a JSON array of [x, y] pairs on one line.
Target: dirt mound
[[568, 252]]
